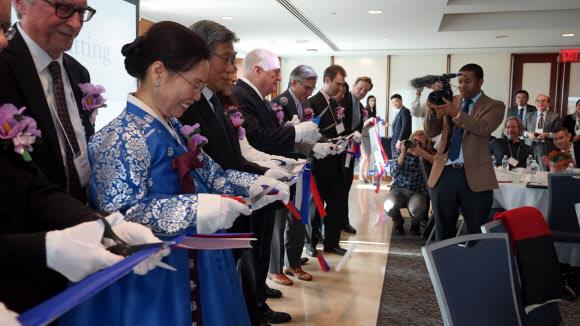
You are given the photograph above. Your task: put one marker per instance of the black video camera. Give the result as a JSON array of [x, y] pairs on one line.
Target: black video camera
[[436, 97], [409, 143]]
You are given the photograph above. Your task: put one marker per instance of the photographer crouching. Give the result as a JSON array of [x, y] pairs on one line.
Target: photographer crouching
[[409, 185]]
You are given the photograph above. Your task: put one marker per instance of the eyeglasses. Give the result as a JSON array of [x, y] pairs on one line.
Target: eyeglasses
[[231, 60], [64, 11], [8, 30], [198, 87], [308, 88]]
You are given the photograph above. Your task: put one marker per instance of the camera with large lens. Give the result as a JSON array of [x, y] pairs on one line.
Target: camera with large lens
[[409, 143], [436, 97]]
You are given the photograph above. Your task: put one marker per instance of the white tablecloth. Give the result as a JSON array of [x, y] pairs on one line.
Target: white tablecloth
[[510, 195]]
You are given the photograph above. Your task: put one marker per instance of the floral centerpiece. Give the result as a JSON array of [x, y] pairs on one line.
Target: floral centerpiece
[[558, 161], [92, 99], [279, 110], [18, 130]]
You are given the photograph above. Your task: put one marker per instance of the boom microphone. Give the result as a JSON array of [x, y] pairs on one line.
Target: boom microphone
[[283, 100], [429, 80]]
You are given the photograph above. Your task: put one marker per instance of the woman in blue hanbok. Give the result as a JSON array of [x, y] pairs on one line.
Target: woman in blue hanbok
[[132, 161]]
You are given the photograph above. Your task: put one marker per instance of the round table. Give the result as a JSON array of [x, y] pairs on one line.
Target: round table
[[513, 195]]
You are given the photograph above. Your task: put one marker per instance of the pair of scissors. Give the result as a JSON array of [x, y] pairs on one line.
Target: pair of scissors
[[124, 249]]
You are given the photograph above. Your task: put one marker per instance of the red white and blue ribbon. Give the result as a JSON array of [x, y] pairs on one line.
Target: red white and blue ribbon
[[322, 262], [379, 153]]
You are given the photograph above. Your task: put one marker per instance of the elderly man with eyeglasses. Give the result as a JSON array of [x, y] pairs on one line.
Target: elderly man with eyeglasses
[[37, 74]]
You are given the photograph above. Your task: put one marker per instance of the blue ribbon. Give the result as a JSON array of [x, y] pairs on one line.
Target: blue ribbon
[[58, 305], [305, 204]]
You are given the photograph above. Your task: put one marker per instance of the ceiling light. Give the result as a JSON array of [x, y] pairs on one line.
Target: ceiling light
[[375, 12], [500, 36], [311, 50], [228, 17], [384, 39], [302, 41], [568, 35]]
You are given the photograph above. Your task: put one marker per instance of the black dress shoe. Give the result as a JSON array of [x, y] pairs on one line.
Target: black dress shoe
[[274, 317], [399, 230], [303, 261], [312, 252], [416, 229], [349, 229], [273, 293], [335, 250]]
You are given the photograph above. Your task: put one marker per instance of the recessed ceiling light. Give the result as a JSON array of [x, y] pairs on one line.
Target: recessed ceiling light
[[302, 41], [228, 17], [311, 50], [384, 39], [333, 13], [568, 35], [500, 36], [375, 12]]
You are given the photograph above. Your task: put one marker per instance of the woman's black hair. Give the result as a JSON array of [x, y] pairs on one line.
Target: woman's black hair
[[171, 43]]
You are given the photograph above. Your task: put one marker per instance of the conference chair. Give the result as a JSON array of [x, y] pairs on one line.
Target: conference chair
[[474, 280]]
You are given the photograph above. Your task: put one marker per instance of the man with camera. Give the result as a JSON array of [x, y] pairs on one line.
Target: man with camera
[[409, 186], [462, 177]]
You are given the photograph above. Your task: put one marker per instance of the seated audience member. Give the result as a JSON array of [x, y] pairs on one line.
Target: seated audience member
[[572, 123], [563, 142], [409, 185], [511, 146]]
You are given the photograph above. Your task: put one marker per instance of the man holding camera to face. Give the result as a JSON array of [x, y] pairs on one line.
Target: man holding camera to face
[[409, 185]]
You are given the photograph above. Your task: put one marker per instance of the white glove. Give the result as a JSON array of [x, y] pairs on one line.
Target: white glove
[[256, 188], [136, 234], [76, 252], [338, 149], [306, 132], [215, 212], [356, 137], [322, 150], [287, 160], [8, 317], [294, 121], [277, 174]]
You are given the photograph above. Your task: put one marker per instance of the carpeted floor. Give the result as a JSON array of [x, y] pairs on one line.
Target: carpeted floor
[[408, 297]]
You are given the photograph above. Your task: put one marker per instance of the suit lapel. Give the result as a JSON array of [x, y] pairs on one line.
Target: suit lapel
[[24, 71], [290, 108], [264, 110], [75, 80], [213, 127]]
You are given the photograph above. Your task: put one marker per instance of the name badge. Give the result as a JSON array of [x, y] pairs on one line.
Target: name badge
[[513, 162], [83, 168], [340, 128]]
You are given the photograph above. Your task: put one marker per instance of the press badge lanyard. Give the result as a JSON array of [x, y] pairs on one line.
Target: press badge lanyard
[[80, 159], [512, 155]]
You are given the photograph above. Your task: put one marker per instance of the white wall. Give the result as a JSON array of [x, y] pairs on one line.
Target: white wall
[[536, 79], [574, 91]]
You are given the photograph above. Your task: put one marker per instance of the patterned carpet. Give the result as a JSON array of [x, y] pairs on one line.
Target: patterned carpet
[[408, 297]]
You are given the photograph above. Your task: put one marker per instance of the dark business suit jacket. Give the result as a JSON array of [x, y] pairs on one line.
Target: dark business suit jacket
[[570, 123], [29, 207], [401, 127], [577, 154], [262, 128], [499, 147], [348, 103], [290, 108], [513, 111], [333, 163], [552, 122], [21, 86]]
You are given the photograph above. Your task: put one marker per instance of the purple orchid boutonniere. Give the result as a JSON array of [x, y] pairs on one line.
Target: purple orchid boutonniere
[[18, 129], [340, 113], [92, 99], [277, 108], [193, 135], [237, 120], [308, 114]]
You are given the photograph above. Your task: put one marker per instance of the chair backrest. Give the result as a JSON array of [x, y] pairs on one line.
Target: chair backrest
[[496, 226], [473, 280], [563, 193]]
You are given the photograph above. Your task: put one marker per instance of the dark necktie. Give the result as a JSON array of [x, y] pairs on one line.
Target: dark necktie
[[457, 136], [71, 146], [521, 114], [355, 114], [218, 110], [541, 121]]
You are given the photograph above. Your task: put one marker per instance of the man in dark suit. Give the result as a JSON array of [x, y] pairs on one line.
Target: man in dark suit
[[330, 172], [289, 233], [36, 73], [563, 142], [540, 126], [353, 121], [522, 107], [462, 176], [401, 126], [511, 146], [223, 147]]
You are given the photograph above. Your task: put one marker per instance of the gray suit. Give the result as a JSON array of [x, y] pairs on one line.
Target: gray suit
[[552, 122], [513, 111]]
